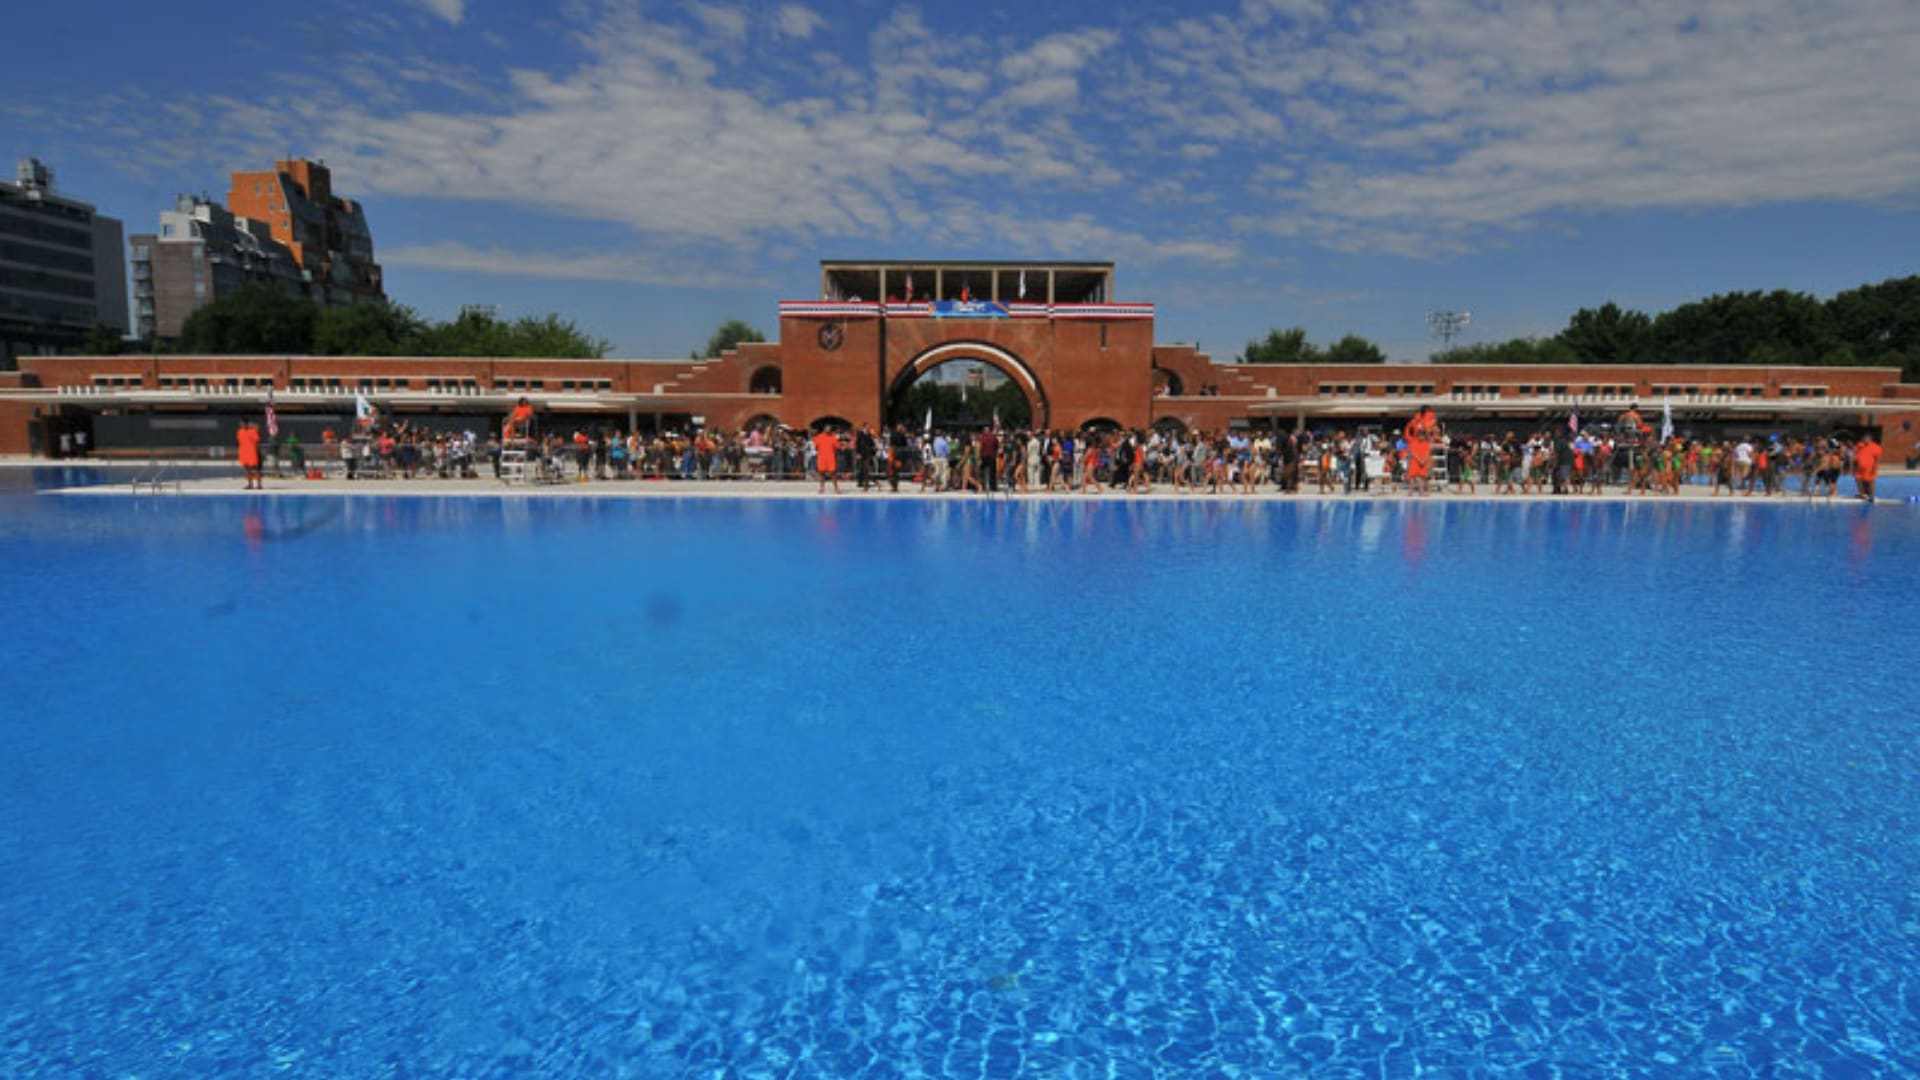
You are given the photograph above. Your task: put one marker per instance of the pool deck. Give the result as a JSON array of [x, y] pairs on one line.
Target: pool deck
[[489, 488]]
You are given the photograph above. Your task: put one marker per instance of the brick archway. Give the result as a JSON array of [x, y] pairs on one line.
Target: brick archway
[[993, 356]]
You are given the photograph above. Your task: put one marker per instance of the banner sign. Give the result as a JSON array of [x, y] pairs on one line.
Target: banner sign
[[968, 309]]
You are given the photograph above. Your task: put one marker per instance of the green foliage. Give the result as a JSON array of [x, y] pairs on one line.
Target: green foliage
[[256, 319], [1289, 346], [730, 335], [950, 411], [102, 340], [262, 320], [1354, 349], [1515, 351], [1608, 335], [478, 333], [1779, 327], [1876, 325], [376, 329]]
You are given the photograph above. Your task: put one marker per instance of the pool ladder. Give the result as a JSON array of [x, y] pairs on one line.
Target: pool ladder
[[154, 479]]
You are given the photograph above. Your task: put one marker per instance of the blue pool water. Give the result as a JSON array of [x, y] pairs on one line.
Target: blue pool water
[[416, 787]]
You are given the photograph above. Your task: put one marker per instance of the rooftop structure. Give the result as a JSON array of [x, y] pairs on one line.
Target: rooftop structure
[[327, 235], [62, 267], [909, 281], [202, 253]]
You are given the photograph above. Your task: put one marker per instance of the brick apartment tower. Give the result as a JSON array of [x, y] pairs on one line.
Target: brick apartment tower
[[328, 236]]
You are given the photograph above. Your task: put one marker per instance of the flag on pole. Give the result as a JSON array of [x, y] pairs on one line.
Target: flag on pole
[[273, 419], [928, 429], [1573, 422], [1023, 284], [1666, 420], [996, 418], [909, 288], [362, 409], [966, 291]]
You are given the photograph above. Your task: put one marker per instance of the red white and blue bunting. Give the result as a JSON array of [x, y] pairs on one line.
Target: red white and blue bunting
[[848, 309]]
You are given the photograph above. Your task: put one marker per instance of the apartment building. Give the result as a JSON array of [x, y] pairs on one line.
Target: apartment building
[[62, 268]]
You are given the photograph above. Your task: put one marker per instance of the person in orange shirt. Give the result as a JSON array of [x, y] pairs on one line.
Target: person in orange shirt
[[519, 421], [249, 440], [826, 449], [1866, 465], [1419, 434]]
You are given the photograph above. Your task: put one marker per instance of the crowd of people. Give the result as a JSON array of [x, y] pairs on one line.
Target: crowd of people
[[1561, 459]]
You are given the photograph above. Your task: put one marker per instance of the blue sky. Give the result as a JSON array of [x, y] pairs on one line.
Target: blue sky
[[650, 169]]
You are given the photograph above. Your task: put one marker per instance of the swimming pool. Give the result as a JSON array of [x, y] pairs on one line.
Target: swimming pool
[[476, 787]]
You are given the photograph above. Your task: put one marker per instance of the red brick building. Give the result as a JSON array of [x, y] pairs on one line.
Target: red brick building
[[1053, 329]]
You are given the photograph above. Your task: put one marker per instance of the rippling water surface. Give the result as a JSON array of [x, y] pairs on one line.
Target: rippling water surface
[[484, 788]]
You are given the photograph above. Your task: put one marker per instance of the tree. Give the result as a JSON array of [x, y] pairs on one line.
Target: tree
[[1289, 346], [479, 333], [1608, 335], [954, 408], [1879, 323], [1514, 351], [1354, 349], [552, 336], [731, 334], [102, 340], [256, 319], [374, 329]]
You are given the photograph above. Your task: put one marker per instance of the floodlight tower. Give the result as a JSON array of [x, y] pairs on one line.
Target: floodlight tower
[[1446, 325]]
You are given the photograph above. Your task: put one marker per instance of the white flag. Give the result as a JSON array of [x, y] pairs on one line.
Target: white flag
[[362, 410], [929, 427], [1023, 284]]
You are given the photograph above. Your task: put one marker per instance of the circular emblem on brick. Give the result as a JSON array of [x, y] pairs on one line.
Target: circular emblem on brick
[[831, 336]]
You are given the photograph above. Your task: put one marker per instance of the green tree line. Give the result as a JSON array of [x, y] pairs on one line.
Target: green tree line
[[1873, 325], [263, 320], [1290, 346]]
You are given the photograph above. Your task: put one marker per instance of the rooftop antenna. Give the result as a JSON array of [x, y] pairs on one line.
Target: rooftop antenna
[[1446, 325]]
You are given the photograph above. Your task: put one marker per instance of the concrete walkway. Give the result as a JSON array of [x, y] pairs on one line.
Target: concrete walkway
[[229, 485]]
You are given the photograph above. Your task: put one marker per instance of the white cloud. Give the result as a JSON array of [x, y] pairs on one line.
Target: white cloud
[[453, 11], [797, 20], [1433, 125], [565, 266], [729, 23], [1415, 127]]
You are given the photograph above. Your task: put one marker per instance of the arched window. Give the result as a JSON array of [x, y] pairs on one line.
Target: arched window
[[765, 381]]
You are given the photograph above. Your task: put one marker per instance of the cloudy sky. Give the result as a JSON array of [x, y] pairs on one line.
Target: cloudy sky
[[650, 169]]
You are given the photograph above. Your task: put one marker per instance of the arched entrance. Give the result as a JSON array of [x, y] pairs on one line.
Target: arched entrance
[[965, 384]]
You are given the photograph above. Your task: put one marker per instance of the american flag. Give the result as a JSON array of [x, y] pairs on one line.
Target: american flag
[[273, 419]]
